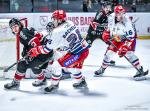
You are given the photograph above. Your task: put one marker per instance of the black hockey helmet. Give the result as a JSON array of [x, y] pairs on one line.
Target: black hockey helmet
[[15, 21], [106, 4]]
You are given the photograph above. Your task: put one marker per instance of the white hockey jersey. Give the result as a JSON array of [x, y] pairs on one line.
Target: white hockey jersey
[[124, 29], [68, 37]]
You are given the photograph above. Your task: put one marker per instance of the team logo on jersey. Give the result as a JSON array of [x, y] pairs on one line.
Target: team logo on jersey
[[43, 20]]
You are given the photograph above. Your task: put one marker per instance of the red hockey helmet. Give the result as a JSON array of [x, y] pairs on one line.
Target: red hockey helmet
[[59, 15], [119, 9]]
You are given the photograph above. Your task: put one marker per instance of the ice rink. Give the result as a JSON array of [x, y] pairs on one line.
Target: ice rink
[[115, 91]]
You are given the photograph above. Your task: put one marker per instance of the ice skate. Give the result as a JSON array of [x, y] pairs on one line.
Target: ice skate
[[99, 72], [140, 75], [51, 88], [81, 84], [13, 85], [38, 83]]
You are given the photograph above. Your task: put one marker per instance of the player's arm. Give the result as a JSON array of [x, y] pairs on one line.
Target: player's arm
[[36, 38], [107, 33], [51, 44]]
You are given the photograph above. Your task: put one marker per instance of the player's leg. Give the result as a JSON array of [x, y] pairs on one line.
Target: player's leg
[[80, 79], [107, 58], [135, 61], [112, 62], [74, 63], [60, 54], [54, 83], [41, 79], [38, 64], [19, 75], [65, 73]]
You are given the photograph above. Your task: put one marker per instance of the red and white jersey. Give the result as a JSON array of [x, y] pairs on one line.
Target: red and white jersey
[[124, 28], [66, 36]]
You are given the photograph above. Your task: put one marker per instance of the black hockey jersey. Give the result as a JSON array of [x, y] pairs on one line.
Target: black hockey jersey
[[99, 23], [97, 26], [26, 35]]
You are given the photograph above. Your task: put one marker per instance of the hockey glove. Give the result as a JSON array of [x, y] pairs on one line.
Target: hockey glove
[[118, 38], [123, 50], [94, 25], [35, 51], [36, 40], [126, 47], [106, 36]]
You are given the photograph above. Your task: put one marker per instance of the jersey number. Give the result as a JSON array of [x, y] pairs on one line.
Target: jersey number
[[129, 32], [72, 39]]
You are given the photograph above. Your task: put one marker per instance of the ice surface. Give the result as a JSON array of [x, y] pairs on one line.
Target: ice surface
[[116, 91]]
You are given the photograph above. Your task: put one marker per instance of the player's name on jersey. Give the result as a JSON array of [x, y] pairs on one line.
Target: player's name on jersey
[[68, 31]]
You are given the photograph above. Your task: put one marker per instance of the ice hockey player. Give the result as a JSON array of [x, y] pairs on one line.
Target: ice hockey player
[[65, 35], [64, 71], [99, 24], [122, 36], [29, 38]]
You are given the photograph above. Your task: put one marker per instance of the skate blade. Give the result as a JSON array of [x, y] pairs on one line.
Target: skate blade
[[111, 64], [12, 89], [39, 85], [140, 78], [83, 87], [51, 92], [100, 75]]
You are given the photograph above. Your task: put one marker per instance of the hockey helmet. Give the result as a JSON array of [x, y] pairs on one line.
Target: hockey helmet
[[119, 9], [59, 15], [106, 4], [15, 21]]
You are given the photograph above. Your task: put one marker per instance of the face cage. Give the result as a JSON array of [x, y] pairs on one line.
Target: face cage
[[56, 21]]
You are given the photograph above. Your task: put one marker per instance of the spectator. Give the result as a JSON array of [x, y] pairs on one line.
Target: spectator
[[133, 7], [85, 6]]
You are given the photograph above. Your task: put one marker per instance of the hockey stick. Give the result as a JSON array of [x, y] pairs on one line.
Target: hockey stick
[[6, 69], [9, 67], [125, 57]]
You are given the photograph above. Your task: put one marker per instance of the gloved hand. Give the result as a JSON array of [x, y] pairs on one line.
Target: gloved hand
[[123, 50], [117, 38], [106, 36]]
